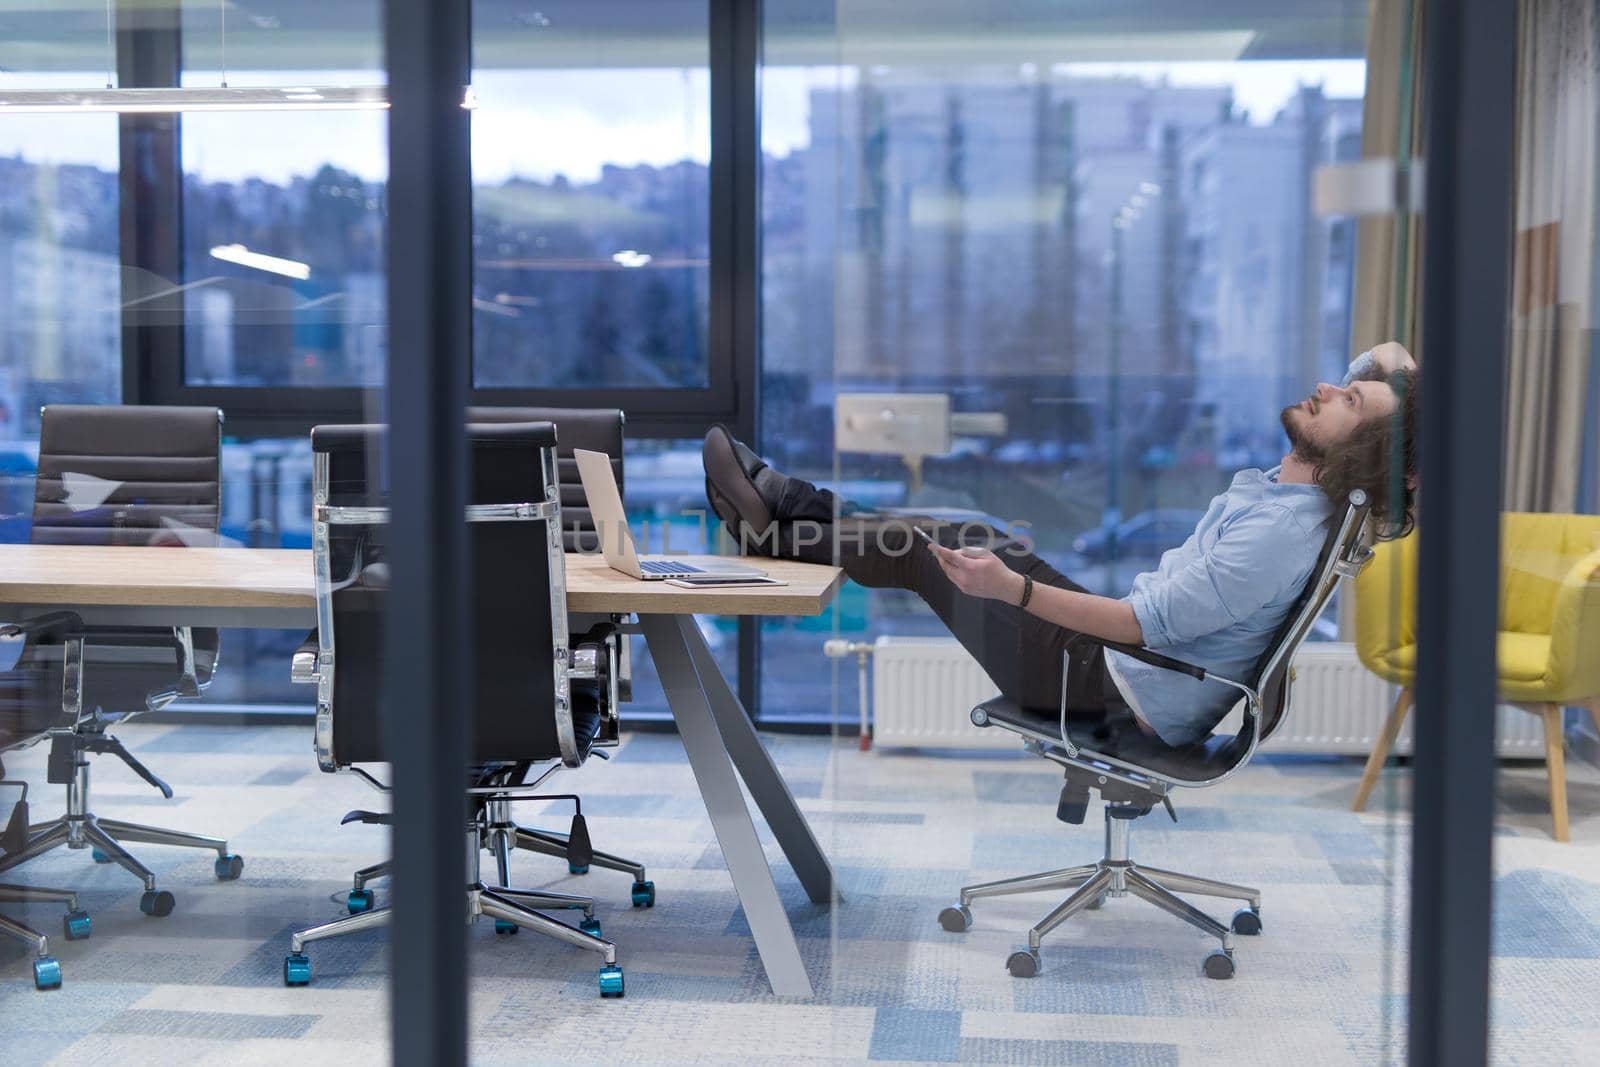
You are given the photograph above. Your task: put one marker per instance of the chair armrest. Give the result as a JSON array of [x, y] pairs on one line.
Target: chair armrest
[[1574, 670], [303, 665], [1143, 655], [591, 652], [596, 654], [48, 625]]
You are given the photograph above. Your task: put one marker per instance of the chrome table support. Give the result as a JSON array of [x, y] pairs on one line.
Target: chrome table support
[[717, 737]]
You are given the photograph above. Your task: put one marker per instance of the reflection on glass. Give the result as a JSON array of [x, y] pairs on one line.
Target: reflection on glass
[[60, 280], [283, 276], [664, 495], [60, 283], [591, 233], [1109, 273]]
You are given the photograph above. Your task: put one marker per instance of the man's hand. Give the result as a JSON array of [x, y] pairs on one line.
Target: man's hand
[[1392, 356], [980, 573]]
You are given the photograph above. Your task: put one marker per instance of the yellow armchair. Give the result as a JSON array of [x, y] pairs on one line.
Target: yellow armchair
[[1549, 643]]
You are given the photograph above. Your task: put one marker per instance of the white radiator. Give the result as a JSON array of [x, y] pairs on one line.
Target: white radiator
[[923, 688], [922, 691]]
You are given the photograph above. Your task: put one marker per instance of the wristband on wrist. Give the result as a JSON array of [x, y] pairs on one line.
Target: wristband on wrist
[[1027, 591]]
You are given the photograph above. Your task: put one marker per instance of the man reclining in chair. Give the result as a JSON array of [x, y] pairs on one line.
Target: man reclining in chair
[[1215, 601]]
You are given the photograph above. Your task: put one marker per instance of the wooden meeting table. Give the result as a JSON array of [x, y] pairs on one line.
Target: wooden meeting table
[[273, 589]]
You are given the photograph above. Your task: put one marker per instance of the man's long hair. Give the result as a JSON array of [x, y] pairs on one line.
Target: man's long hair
[[1380, 457]]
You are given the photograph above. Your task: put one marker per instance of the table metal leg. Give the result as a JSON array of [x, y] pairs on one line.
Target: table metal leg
[[760, 774], [730, 818]]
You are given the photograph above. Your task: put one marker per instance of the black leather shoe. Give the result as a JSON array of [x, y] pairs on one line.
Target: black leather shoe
[[731, 471]]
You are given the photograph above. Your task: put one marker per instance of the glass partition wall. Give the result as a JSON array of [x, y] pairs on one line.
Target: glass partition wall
[[1068, 283], [1549, 536], [1045, 279], [164, 266]]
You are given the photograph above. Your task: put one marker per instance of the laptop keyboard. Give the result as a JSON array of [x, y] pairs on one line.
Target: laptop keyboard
[[661, 566]]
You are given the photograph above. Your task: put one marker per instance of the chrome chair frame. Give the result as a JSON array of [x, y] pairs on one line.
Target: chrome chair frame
[[78, 827], [1131, 791], [75, 923], [490, 825]]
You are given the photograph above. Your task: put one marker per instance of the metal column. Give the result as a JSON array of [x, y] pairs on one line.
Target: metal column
[[428, 673], [1470, 100]]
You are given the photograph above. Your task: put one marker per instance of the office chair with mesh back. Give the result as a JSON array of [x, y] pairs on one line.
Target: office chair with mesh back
[[40, 692], [539, 696], [111, 475], [1135, 773]]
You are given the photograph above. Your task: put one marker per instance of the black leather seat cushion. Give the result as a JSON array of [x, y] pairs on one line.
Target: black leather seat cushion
[[1116, 734]]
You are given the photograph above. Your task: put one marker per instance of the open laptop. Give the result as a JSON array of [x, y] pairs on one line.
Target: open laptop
[[616, 542]]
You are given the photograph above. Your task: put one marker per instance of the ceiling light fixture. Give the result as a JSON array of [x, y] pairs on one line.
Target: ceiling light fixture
[[289, 268], [178, 101]]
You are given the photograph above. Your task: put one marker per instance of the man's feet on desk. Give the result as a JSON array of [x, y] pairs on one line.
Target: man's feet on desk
[[742, 490]]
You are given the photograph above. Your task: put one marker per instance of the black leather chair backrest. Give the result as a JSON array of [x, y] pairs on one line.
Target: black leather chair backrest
[[512, 586], [594, 429], [130, 475], [126, 475], [1274, 686]]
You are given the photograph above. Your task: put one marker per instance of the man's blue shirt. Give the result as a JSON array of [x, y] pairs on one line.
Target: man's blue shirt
[[1217, 599]]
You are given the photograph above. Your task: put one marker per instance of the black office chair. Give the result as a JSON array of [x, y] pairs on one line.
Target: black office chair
[[532, 710], [596, 430], [41, 690], [1135, 773], [599, 430], [112, 475]]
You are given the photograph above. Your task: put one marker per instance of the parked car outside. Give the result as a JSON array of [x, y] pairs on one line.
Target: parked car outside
[[1143, 536]]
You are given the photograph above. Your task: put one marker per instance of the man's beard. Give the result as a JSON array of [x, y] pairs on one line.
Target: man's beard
[[1301, 446]]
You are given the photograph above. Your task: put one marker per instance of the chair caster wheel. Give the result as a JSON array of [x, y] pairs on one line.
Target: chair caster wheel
[[47, 973], [76, 925], [1097, 903], [1219, 964], [1247, 921], [590, 926], [502, 926], [957, 920], [577, 868], [98, 856], [610, 981], [644, 896], [1024, 963], [358, 901], [157, 902], [228, 867], [296, 970]]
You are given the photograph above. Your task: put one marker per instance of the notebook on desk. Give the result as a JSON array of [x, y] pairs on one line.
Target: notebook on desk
[[616, 542]]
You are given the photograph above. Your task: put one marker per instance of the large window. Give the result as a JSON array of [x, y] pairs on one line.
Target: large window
[[1108, 268], [60, 280], [590, 232], [1110, 260], [283, 254], [282, 257]]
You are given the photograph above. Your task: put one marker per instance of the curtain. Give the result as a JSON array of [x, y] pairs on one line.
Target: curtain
[[1553, 275], [1389, 247], [1388, 274]]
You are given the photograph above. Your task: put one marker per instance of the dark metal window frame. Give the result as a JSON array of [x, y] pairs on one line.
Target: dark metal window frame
[[150, 54], [1464, 314], [149, 49], [1470, 100]]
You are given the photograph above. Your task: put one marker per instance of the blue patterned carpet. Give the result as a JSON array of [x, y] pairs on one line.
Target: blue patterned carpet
[[1323, 985]]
